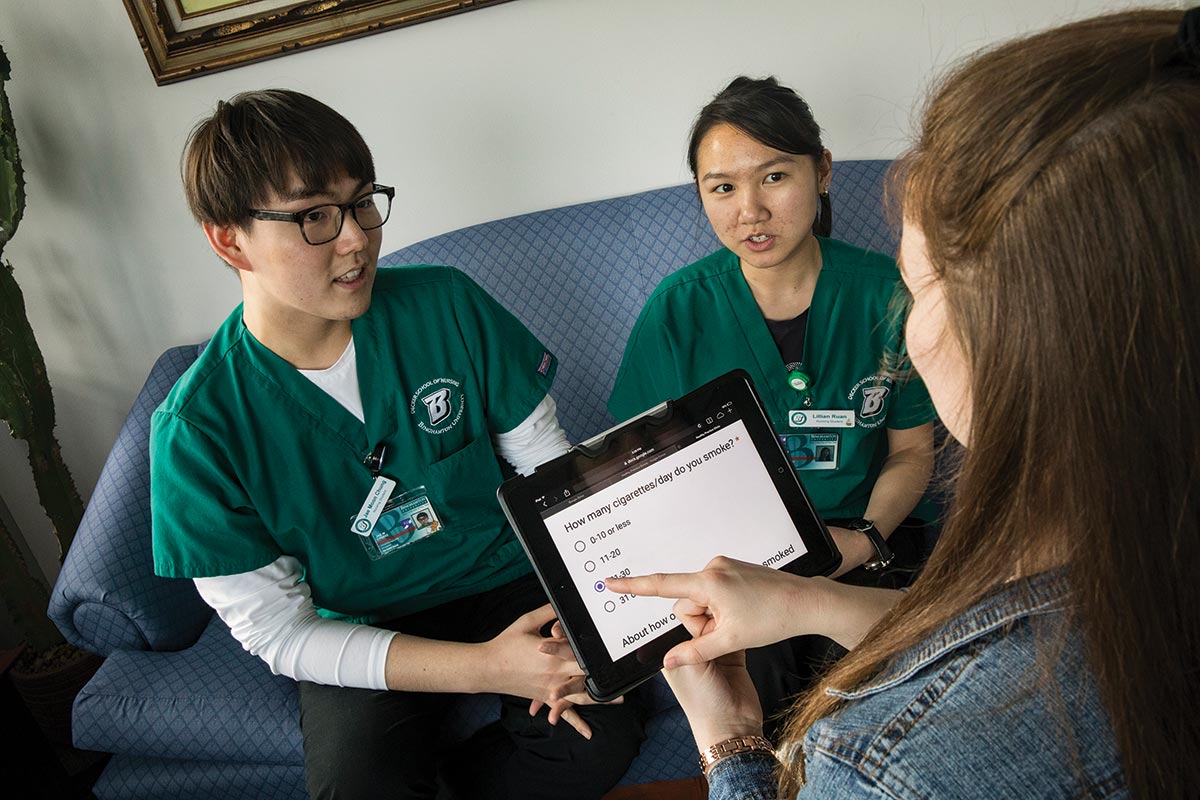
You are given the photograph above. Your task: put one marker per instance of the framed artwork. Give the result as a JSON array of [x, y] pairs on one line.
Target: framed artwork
[[187, 38]]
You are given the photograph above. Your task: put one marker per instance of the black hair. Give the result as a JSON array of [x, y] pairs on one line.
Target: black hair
[[769, 113]]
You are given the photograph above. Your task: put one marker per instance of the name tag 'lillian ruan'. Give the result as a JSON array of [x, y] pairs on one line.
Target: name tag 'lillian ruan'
[[821, 418]]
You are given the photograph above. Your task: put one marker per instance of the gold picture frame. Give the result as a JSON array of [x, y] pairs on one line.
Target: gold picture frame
[[187, 38]]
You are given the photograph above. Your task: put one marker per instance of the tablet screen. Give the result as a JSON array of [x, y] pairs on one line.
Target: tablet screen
[[703, 495]]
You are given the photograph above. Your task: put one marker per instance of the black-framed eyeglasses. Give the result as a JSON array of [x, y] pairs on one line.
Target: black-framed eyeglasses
[[323, 223]]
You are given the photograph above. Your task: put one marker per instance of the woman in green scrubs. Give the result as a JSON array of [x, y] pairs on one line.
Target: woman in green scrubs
[[809, 318]]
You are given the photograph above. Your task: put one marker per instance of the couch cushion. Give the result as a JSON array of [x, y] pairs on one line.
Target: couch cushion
[[132, 778], [669, 752]]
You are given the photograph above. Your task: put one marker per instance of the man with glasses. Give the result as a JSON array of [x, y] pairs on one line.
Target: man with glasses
[[336, 405]]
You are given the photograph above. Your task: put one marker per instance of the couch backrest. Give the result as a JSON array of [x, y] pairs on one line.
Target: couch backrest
[[578, 276]]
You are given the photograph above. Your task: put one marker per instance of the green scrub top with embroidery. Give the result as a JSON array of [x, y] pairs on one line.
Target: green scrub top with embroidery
[[250, 460], [702, 321]]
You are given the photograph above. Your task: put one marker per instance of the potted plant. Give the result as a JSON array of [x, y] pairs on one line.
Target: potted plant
[[49, 672]]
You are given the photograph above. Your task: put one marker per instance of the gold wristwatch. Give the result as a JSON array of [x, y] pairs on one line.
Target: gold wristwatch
[[730, 747]]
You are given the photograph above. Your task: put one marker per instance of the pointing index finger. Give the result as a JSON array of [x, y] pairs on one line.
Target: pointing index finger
[[658, 584]]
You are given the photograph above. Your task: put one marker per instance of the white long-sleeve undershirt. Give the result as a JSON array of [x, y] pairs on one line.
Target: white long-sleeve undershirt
[[270, 612], [270, 609]]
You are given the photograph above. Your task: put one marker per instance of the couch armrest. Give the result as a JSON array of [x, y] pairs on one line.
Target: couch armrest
[[107, 596], [211, 701]]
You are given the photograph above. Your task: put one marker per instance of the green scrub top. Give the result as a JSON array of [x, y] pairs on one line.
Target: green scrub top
[[250, 460], [702, 321]]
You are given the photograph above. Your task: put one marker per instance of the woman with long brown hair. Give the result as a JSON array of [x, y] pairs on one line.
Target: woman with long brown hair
[[1051, 248]]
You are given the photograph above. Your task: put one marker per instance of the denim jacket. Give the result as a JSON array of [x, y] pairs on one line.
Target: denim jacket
[[968, 713]]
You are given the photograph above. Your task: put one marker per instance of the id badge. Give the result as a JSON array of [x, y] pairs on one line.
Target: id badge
[[821, 418], [812, 450], [407, 518]]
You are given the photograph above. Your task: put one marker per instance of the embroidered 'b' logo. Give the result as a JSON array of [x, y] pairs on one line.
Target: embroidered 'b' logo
[[438, 405], [873, 400]]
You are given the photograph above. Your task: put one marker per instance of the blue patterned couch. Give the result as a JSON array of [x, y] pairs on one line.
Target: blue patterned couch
[[185, 711]]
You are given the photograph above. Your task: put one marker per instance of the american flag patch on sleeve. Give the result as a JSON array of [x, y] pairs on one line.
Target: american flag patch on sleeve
[[547, 360]]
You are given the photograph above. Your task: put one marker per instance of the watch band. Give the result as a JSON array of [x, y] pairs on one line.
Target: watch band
[[883, 553], [733, 746]]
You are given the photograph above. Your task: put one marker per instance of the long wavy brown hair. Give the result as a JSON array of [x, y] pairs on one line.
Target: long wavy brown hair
[[1057, 181]]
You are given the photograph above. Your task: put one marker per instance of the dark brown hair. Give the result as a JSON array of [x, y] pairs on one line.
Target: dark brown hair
[[264, 142], [1057, 181]]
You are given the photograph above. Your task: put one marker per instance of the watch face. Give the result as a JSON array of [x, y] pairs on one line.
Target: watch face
[[880, 561]]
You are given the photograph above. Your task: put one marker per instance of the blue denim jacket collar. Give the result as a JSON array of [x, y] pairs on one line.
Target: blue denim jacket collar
[[1038, 594]]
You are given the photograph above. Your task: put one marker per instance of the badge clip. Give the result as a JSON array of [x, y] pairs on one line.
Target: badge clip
[[802, 384], [374, 459]]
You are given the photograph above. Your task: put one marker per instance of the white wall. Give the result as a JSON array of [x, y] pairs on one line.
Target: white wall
[[528, 105]]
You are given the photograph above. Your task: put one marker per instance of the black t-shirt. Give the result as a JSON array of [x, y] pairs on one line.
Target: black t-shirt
[[789, 338]]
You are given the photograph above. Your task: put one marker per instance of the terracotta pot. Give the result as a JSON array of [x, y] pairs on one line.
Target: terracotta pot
[[48, 691]]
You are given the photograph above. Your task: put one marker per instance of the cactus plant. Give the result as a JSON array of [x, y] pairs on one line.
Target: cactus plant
[[27, 407]]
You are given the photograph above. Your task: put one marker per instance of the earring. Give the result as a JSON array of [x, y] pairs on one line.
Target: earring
[[823, 224]]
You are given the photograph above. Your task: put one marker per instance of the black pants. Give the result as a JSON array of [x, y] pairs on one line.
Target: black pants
[[783, 670], [360, 743]]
